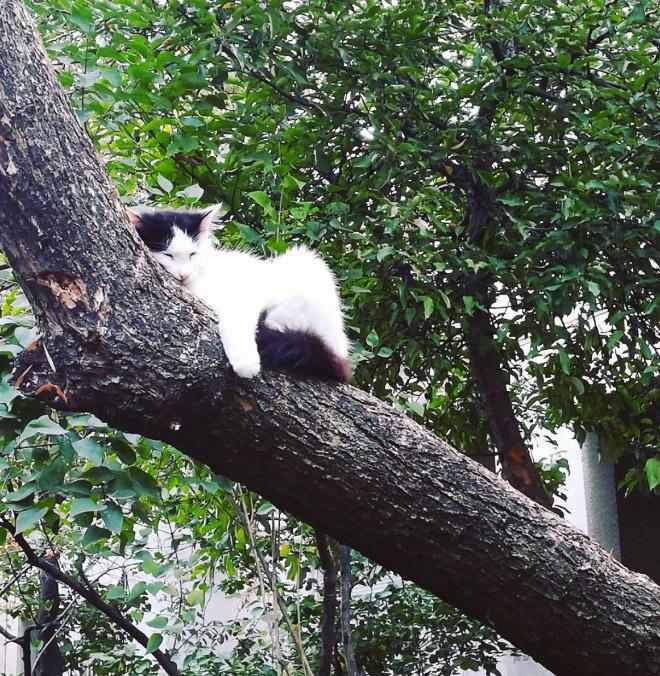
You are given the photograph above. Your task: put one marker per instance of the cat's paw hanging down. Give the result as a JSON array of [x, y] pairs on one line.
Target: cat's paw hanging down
[[282, 313]]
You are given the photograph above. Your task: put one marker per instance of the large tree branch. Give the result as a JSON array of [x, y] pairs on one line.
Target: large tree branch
[[129, 345]]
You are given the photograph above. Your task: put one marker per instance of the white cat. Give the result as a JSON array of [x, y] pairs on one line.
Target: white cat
[[283, 312]]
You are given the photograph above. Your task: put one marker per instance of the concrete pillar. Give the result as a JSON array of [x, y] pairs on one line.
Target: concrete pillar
[[600, 497]]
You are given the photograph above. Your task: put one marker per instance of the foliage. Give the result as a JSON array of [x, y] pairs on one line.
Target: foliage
[[368, 130], [356, 127], [190, 557]]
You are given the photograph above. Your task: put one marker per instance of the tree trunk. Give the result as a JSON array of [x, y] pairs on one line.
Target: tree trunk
[[125, 342], [486, 367], [50, 661], [330, 604], [487, 363], [346, 584]]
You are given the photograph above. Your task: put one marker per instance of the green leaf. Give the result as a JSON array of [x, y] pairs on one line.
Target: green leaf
[[123, 450], [83, 505], [385, 251], [115, 592], [428, 306], [265, 508], [137, 590], [8, 394], [94, 534], [564, 361], [261, 198], [154, 642], [89, 449], [113, 518], [165, 183], [563, 59], [469, 303], [364, 162], [82, 17], [42, 425], [638, 15], [247, 233], [52, 475], [193, 191], [614, 339], [191, 122], [158, 622], [29, 517], [594, 288], [652, 469], [21, 493], [145, 481], [372, 338], [195, 597]]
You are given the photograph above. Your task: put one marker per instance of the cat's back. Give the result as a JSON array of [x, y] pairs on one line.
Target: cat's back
[[230, 273], [233, 263]]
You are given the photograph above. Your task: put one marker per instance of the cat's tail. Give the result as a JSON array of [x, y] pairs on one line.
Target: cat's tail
[[300, 352]]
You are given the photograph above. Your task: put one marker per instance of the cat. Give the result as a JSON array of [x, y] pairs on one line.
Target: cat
[[282, 313]]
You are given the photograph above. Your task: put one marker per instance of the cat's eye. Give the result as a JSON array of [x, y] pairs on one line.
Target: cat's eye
[[169, 255], [194, 253]]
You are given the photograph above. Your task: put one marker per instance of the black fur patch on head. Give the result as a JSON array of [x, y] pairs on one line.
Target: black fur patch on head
[[155, 227]]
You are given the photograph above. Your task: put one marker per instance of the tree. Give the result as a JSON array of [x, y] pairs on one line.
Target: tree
[[97, 349], [483, 180]]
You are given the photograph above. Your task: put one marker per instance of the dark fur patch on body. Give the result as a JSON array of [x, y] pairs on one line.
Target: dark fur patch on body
[[155, 227], [300, 352]]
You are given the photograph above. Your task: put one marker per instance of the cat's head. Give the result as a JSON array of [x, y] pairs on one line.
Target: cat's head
[[179, 240]]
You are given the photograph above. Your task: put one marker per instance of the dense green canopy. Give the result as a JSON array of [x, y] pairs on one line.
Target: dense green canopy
[[483, 179]]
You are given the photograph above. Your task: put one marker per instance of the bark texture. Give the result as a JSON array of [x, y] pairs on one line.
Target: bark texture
[[486, 368], [150, 362], [330, 604], [50, 661]]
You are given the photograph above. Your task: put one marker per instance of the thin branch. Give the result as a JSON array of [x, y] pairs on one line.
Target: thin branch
[[329, 567], [258, 75], [346, 582], [13, 579], [59, 624], [92, 597], [10, 637], [242, 515]]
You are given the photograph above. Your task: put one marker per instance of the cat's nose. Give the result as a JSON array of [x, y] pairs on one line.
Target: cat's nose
[[184, 278]]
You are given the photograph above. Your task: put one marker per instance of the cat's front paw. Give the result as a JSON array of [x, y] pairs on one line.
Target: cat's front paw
[[246, 367]]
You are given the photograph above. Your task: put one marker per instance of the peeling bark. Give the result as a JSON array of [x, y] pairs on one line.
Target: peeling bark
[[329, 454]]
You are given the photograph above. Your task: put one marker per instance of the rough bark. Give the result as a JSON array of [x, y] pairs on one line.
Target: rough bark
[[488, 364], [50, 661], [130, 346], [486, 368], [346, 585]]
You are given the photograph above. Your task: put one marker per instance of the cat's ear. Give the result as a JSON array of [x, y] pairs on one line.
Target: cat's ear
[[133, 218], [211, 218]]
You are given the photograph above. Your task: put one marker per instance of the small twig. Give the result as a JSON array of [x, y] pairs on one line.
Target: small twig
[[260, 559], [10, 637], [257, 75], [13, 579]]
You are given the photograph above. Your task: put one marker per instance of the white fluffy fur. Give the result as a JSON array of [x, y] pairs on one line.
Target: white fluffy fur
[[297, 289]]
